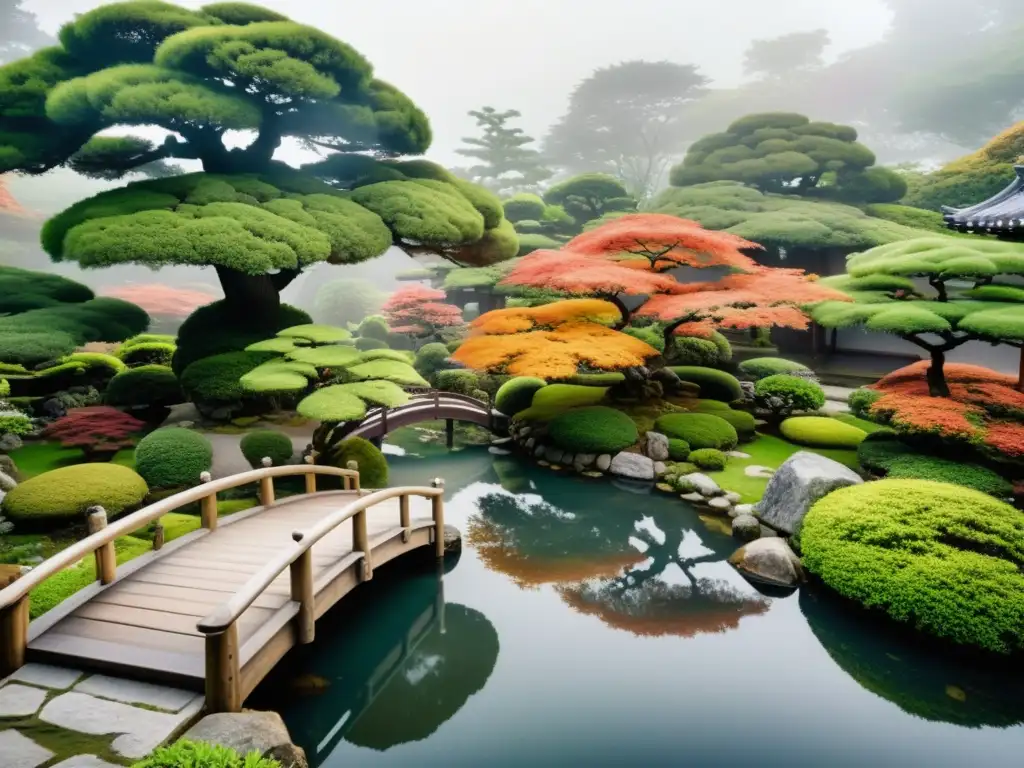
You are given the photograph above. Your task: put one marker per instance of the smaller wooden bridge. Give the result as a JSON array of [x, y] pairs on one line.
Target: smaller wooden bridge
[[430, 405], [216, 609]]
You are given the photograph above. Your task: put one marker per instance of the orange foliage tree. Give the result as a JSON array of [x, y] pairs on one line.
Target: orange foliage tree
[[420, 311]]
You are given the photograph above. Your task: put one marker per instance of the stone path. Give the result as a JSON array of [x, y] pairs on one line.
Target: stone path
[[835, 399], [118, 720]]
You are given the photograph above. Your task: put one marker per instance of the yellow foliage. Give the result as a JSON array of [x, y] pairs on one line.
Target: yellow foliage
[[517, 320], [1007, 147]]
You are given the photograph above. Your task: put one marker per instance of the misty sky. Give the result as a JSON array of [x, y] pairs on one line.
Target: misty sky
[[451, 56]]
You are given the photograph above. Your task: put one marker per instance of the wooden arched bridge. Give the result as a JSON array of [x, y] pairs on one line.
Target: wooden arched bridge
[[430, 405], [216, 609]]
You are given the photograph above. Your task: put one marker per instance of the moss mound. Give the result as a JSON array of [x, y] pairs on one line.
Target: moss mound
[[709, 459], [947, 560], [516, 394], [173, 457], [554, 399], [269, 443], [146, 385], [215, 380], [61, 496], [700, 430], [678, 450], [784, 393], [744, 423], [821, 432], [713, 383], [373, 467], [758, 368], [596, 429]]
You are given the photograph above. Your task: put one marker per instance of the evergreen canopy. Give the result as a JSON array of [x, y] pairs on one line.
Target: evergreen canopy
[[505, 161], [784, 152]]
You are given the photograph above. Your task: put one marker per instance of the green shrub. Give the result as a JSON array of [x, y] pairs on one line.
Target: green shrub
[[743, 422], [878, 450], [431, 358], [173, 457], [609, 379], [14, 422], [61, 496], [709, 459], [215, 380], [718, 385], [263, 443], [947, 560], [5, 388], [919, 467], [554, 399], [146, 385], [32, 349], [700, 430], [374, 327], [711, 406], [724, 347], [147, 353], [691, 351], [100, 366], [861, 400], [594, 429], [460, 381], [648, 335], [365, 343], [821, 432], [192, 754], [373, 467], [758, 368], [678, 450], [783, 394], [147, 338], [516, 394]]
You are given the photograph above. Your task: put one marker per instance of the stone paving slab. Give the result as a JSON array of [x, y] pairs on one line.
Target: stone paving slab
[[20, 751], [131, 692], [20, 700], [56, 678], [140, 730], [85, 761]]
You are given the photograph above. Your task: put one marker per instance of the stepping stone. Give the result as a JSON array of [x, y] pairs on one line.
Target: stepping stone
[[20, 751], [498, 451], [756, 470], [85, 761], [57, 678], [140, 731], [130, 692], [20, 700], [737, 455]]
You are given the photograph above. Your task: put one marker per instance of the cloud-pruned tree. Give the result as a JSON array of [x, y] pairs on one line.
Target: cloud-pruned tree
[[506, 164], [784, 56]]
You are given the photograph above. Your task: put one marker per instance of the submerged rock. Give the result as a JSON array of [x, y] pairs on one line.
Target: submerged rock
[[452, 540], [769, 560], [633, 466], [665, 488], [657, 446], [802, 479], [746, 527]]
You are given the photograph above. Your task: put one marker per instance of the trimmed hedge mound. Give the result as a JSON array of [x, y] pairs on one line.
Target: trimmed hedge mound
[[269, 443], [146, 385], [173, 457], [678, 450], [596, 429], [61, 496], [821, 432], [709, 459], [554, 399], [744, 423], [516, 394], [713, 383], [946, 559], [758, 368], [700, 430], [373, 467], [861, 400], [215, 380], [783, 394]]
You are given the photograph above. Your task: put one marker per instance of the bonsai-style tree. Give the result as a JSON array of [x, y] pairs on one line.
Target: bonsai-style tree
[[628, 120], [885, 284], [420, 312], [199, 74], [590, 196], [99, 431], [787, 153], [506, 161]]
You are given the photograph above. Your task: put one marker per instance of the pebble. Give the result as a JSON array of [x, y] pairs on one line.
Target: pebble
[[732, 497], [693, 498], [720, 504]]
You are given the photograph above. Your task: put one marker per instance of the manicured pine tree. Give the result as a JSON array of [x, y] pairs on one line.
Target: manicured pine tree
[[506, 162]]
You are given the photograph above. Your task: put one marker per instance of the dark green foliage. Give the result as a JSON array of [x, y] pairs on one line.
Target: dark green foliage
[[528, 243], [945, 559], [214, 380], [431, 358], [861, 400], [61, 496], [366, 343], [146, 385], [31, 349], [523, 206], [607, 379], [744, 424], [650, 335], [24, 287], [783, 394], [678, 450], [691, 351], [717, 385], [460, 381], [193, 754], [173, 457], [594, 429], [516, 394], [821, 432], [373, 467], [700, 430], [505, 161], [880, 449], [215, 329], [590, 196], [709, 459], [267, 443], [908, 216], [374, 327], [761, 367], [147, 353]]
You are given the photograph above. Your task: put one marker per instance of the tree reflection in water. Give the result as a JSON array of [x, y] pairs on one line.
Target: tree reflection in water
[[646, 573]]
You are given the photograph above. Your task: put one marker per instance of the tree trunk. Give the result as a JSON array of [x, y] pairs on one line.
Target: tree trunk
[[619, 305], [937, 386], [254, 297]]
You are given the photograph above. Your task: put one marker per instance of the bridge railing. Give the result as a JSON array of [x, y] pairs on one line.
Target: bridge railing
[[14, 599], [223, 664]]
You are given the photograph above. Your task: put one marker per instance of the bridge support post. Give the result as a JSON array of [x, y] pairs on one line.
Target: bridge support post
[[302, 593], [449, 433], [208, 508], [223, 673], [310, 477], [13, 636], [405, 522], [267, 485], [437, 511], [106, 557], [361, 542]]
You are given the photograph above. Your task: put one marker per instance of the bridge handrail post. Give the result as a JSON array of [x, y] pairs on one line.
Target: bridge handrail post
[[14, 620], [361, 542], [437, 404], [437, 512], [352, 482], [223, 671], [208, 508], [404, 518], [267, 484], [301, 573], [106, 556], [311, 477]]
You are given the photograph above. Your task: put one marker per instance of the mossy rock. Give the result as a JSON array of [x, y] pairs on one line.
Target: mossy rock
[[516, 394], [700, 430], [821, 432], [595, 429], [61, 496]]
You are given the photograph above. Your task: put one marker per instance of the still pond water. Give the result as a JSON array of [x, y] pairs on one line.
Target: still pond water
[[588, 624]]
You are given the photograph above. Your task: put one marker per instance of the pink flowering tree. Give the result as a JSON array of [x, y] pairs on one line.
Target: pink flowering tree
[[422, 313]]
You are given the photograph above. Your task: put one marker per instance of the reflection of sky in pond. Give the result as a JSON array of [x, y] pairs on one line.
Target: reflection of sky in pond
[[585, 676]]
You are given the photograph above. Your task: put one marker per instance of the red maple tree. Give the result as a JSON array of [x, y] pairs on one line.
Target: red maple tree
[[420, 311], [99, 430]]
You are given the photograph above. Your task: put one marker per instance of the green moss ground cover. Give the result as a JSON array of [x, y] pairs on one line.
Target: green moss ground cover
[[35, 458]]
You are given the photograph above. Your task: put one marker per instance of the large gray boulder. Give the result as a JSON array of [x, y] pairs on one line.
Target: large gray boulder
[[633, 466], [801, 480], [769, 560], [244, 732], [657, 446]]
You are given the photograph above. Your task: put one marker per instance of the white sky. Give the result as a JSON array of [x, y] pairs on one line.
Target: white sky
[[451, 56]]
